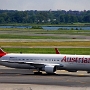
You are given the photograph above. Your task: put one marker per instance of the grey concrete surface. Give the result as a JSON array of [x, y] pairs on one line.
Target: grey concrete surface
[[44, 47], [21, 79], [41, 40], [38, 87]]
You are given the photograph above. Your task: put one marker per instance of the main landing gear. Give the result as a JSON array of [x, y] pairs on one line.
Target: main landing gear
[[38, 72]]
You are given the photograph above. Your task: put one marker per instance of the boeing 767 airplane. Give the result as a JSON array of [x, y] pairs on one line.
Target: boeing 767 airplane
[[46, 62]]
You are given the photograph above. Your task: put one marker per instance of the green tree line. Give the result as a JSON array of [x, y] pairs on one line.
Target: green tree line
[[51, 17]]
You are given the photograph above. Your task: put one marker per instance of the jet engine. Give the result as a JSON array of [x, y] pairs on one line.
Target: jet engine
[[50, 69]]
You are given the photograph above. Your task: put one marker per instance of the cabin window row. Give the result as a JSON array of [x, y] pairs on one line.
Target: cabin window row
[[36, 59]]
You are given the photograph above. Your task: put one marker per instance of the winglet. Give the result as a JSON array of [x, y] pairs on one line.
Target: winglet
[[57, 52]]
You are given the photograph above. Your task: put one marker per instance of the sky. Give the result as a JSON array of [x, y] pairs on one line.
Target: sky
[[79, 5]]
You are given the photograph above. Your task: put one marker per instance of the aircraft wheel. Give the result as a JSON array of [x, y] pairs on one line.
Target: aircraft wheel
[[38, 73]]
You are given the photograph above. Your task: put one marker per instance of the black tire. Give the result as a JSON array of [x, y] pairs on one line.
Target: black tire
[[38, 73]]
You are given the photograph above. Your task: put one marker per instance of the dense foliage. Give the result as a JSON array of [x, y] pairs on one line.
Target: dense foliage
[[51, 17]]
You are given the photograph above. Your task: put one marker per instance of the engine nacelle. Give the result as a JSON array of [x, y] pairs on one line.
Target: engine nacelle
[[50, 69]]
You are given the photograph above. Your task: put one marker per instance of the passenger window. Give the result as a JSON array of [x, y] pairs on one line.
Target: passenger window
[[45, 59]]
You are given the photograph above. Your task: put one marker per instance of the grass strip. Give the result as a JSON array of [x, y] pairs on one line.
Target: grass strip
[[11, 36], [81, 51], [31, 44]]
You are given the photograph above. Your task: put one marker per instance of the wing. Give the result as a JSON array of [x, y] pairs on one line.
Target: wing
[[36, 64]]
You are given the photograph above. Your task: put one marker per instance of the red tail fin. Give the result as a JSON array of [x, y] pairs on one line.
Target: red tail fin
[[57, 52], [2, 53]]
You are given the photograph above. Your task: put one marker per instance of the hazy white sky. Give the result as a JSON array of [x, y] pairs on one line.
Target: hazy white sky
[[45, 4]]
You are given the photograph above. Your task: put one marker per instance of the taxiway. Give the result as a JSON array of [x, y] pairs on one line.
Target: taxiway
[[62, 78]]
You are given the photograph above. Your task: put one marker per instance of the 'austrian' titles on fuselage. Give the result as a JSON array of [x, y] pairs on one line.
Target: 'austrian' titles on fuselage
[[76, 59]]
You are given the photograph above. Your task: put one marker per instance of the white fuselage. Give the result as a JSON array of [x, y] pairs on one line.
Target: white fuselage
[[67, 62]]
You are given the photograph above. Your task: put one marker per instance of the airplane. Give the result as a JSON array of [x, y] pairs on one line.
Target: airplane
[[49, 63]]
